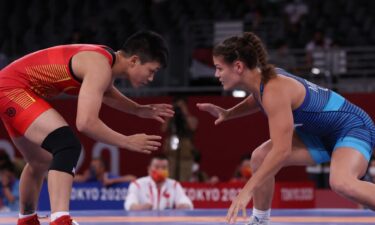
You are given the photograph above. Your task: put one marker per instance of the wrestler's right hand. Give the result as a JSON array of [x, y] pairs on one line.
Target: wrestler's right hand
[[216, 111], [143, 143]]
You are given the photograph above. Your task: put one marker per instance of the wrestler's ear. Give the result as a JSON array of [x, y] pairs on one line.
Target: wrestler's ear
[[238, 66]]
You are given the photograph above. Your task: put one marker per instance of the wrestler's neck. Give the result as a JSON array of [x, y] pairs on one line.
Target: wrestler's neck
[[122, 65], [251, 80]]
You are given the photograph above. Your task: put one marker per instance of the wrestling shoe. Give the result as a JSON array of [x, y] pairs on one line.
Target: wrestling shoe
[[256, 221], [64, 220], [31, 220]]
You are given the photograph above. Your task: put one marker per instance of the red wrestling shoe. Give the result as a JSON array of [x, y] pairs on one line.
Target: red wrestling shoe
[[64, 220], [31, 220]]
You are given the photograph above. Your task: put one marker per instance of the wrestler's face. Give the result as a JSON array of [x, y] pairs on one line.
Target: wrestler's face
[[140, 74], [227, 74]]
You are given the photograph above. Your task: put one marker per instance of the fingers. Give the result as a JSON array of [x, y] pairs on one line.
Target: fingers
[[230, 213], [218, 121], [144, 151], [233, 212], [153, 144], [154, 137], [163, 110], [167, 113], [203, 106], [163, 107], [234, 215], [160, 119], [244, 212]]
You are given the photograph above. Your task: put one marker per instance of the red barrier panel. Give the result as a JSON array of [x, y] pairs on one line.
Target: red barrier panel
[[221, 146], [287, 194]]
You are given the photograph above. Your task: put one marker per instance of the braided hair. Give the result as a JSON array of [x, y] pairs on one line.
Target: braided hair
[[249, 49]]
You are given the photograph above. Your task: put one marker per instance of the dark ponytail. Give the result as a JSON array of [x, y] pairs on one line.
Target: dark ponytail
[[248, 49]]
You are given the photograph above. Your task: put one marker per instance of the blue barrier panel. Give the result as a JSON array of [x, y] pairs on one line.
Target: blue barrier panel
[[91, 195]]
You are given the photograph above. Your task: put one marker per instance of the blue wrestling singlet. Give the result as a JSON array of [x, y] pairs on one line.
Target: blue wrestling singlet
[[326, 121]]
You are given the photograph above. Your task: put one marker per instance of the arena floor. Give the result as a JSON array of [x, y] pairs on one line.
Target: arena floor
[[197, 217]]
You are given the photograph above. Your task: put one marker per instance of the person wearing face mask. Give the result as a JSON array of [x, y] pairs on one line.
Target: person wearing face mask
[[43, 136], [243, 172], [156, 191]]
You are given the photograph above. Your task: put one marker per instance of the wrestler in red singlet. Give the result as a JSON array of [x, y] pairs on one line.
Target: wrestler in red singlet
[[42, 74]]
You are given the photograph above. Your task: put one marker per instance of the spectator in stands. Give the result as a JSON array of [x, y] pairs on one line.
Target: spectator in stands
[[282, 57], [4, 158], [253, 15], [3, 60], [156, 191], [98, 172], [295, 10], [9, 191], [18, 163], [315, 49], [178, 145], [243, 171]]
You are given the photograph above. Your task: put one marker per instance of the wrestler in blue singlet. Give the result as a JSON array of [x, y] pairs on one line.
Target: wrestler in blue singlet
[[326, 120]]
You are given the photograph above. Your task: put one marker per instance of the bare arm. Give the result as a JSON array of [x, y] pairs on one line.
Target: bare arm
[[8, 194], [97, 78], [122, 179], [182, 201], [246, 107], [132, 202], [145, 206], [280, 119], [7, 188], [115, 99]]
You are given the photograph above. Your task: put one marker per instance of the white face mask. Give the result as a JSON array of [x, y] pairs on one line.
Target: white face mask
[[372, 171]]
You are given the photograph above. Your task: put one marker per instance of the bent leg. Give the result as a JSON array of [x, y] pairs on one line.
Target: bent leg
[[30, 121], [38, 161], [347, 167], [59, 183], [262, 197]]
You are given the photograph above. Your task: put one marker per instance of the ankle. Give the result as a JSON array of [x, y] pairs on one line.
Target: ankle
[[23, 216], [57, 215], [262, 214]]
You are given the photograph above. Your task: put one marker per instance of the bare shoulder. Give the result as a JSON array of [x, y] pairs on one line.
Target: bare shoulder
[[276, 90], [283, 90], [89, 61]]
